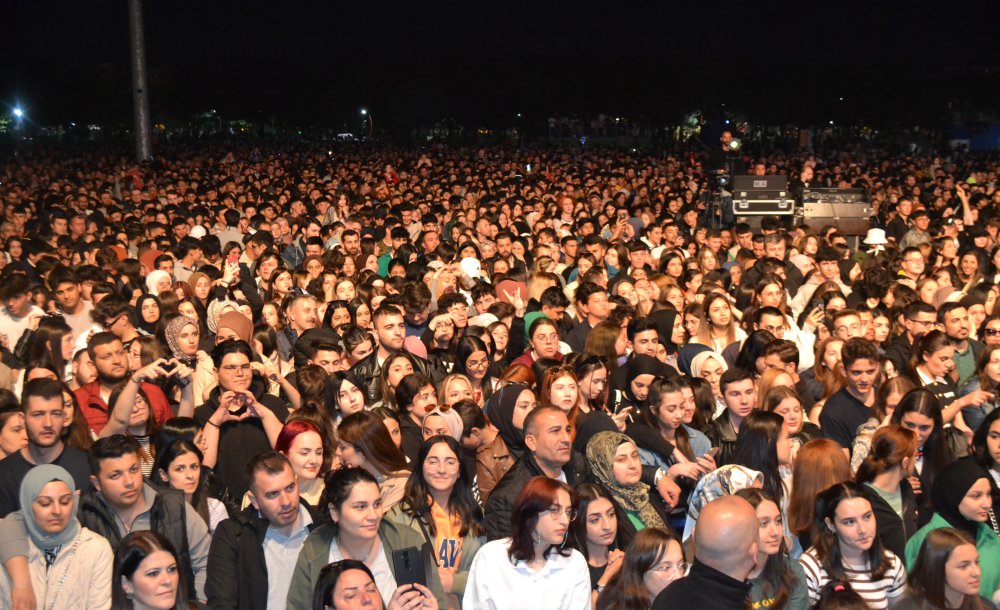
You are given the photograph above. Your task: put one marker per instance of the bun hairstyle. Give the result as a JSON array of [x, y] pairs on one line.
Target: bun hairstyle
[[890, 446]]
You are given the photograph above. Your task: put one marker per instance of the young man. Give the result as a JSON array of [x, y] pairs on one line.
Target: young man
[[67, 289], [44, 420], [953, 319], [740, 395], [390, 328], [918, 318], [253, 554], [17, 311], [592, 308], [114, 314], [846, 410]]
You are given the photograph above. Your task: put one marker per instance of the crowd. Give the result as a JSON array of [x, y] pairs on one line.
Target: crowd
[[386, 378]]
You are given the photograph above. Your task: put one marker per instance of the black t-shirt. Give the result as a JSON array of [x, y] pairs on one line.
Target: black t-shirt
[[14, 467], [841, 417]]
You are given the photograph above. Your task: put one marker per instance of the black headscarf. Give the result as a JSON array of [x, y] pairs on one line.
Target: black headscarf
[[500, 410], [665, 319], [642, 364], [140, 321], [950, 487]]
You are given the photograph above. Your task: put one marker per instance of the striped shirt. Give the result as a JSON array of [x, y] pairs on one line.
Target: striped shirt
[[875, 593]]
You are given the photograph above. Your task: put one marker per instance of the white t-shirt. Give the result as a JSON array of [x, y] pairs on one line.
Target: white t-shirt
[[496, 583], [15, 327], [385, 581]]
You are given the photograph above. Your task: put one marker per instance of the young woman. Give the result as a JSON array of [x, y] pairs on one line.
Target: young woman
[[543, 341], [888, 396], [962, 499], [147, 308], [146, 576], [847, 548], [609, 340], [986, 447], [946, 574], [302, 443], [345, 395], [595, 534], [592, 381], [364, 442], [615, 465], [653, 560], [13, 436], [472, 359], [931, 363], [819, 464], [439, 506], [763, 445], [179, 466], [710, 366], [784, 401], [70, 566], [718, 327], [826, 377], [690, 457], [778, 582], [349, 584], [52, 341], [561, 390], [394, 369], [885, 472], [453, 389], [415, 398], [988, 379], [532, 568], [507, 409], [357, 531]]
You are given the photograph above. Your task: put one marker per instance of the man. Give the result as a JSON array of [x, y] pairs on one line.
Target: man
[[17, 310], [918, 233], [66, 288], [253, 554], [846, 410], [112, 363], [918, 318], [643, 337], [740, 395], [899, 225], [953, 319], [726, 542], [228, 227], [301, 313], [44, 419], [189, 254], [114, 314], [912, 264], [784, 355], [592, 308], [416, 298], [847, 324], [389, 327], [239, 413]]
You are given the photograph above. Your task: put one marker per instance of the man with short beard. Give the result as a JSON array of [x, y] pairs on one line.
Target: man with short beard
[[111, 360]]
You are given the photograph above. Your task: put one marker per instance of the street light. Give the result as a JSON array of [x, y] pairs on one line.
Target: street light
[[18, 112], [364, 111]]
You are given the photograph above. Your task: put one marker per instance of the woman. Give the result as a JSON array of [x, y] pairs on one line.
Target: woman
[[281, 285], [13, 436], [772, 378], [885, 472], [302, 443], [51, 341], [146, 576], [653, 560], [888, 396], [847, 548], [689, 450], [561, 390], [179, 466], [415, 398], [472, 359], [357, 531], [986, 445], [454, 388], [364, 442], [543, 340], [147, 308], [777, 581], [596, 535], [70, 566], [394, 368], [631, 399], [609, 340], [710, 366], [348, 584], [553, 577], [439, 506], [183, 336], [962, 500], [75, 433], [718, 327], [819, 464], [763, 445], [784, 401], [592, 381], [826, 377], [931, 364], [506, 410], [988, 379], [946, 574], [615, 465], [158, 281], [345, 395]]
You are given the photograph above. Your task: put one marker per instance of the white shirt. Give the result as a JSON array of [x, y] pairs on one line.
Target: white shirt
[[385, 580], [495, 583], [280, 554], [15, 327]]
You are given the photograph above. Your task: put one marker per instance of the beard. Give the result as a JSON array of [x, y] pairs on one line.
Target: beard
[[111, 380]]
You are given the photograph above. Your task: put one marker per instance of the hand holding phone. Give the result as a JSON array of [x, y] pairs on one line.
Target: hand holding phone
[[409, 567]]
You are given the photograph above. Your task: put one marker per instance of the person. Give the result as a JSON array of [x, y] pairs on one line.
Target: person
[[356, 530], [885, 472], [252, 554], [597, 536], [988, 378], [851, 407], [415, 398], [962, 499], [348, 584], [43, 414], [69, 565], [507, 409], [302, 443], [986, 449], [614, 464], [740, 395], [726, 544], [653, 560], [532, 568], [13, 436], [391, 333], [777, 581], [439, 505], [179, 465], [946, 574], [846, 548], [817, 467], [364, 442], [763, 445], [147, 574], [932, 364]]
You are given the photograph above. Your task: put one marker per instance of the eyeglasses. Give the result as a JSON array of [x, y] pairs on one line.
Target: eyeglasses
[[555, 510], [923, 322], [991, 332], [679, 569], [232, 368]]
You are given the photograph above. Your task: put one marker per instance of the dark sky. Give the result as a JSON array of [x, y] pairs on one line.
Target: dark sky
[[483, 62]]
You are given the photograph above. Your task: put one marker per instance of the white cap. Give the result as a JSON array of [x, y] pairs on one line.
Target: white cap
[[198, 232]]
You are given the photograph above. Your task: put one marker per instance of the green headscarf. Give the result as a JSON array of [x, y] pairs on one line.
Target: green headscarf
[[601, 455], [37, 478]]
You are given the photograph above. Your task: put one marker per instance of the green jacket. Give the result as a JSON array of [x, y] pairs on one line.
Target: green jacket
[[470, 546], [315, 554], [987, 543]]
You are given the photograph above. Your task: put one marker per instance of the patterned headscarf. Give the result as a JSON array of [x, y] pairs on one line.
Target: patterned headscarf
[[601, 456], [723, 481], [172, 331], [215, 310]]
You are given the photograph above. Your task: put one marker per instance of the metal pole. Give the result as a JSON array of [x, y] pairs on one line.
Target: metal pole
[[140, 93]]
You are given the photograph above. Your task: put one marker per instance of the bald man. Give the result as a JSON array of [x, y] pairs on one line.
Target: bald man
[[726, 541]]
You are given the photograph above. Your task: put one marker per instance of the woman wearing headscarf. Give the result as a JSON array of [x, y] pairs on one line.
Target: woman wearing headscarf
[[147, 313], [710, 366], [70, 566], [506, 410], [614, 463], [631, 390], [158, 281], [962, 499]]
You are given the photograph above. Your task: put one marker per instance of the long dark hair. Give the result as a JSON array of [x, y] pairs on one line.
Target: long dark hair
[[826, 543], [936, 453], [47, 343], [757, 448], [926, 344], [981, 452], [172, 451], [366, 432], [337, 489], [132, 550], [588, 492], [416, 501], [627, 590], [778, 580], [926, 580], [536, 497], [657, 389], [467, 346]]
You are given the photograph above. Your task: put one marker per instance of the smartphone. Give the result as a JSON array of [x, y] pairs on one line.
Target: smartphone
[[622, 216], [409, 567]]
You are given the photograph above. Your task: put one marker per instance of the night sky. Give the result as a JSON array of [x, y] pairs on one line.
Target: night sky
[[481, 63]]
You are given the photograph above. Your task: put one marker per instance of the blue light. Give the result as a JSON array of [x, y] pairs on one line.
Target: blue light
[[18, 112]]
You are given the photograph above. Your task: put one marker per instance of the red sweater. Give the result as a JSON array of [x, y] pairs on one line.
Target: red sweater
[[96, 411]]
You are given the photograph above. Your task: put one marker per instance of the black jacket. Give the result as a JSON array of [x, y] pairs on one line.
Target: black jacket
[[704, 588], [722, 435], [237, 569], [894, 531], [897, 350], [369, 370]]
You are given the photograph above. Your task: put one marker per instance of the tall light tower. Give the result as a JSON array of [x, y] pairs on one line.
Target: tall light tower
[[140, 93]]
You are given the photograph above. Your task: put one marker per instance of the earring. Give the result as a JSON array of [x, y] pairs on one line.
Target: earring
[[130, 596]]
